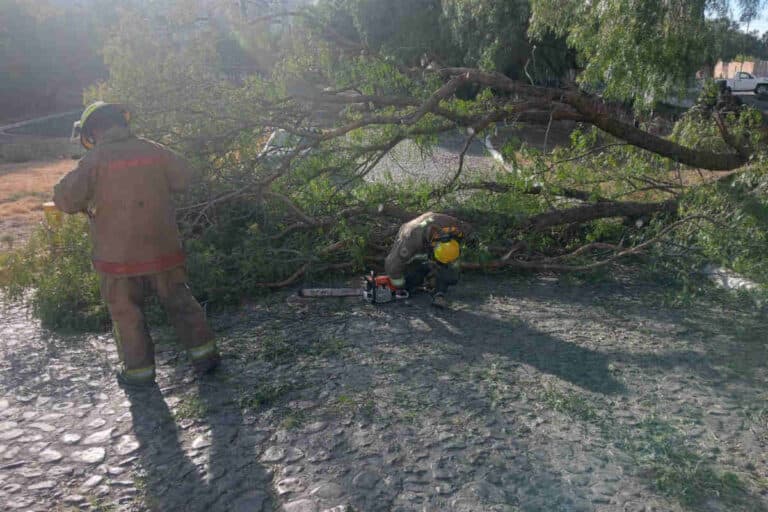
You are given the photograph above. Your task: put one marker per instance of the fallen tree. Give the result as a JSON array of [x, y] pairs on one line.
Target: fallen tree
[[345, 124], [266, 215]]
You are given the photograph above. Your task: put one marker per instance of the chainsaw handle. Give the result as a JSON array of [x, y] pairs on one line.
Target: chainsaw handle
[[385, 281], [382, 281]]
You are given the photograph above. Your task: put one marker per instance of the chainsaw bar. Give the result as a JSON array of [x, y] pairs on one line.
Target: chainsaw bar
[[331, 292], [379, 295]]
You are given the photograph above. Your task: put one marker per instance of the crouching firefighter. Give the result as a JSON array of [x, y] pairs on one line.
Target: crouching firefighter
[[124, 184], [426, 254]]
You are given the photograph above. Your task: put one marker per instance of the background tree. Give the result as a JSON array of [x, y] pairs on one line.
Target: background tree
[[49, 52], [641, 51]]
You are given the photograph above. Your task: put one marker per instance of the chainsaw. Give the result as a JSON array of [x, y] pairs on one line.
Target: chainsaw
[[375, 289]]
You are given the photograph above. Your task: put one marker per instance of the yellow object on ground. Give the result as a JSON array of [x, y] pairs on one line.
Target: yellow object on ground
[[52, 214]]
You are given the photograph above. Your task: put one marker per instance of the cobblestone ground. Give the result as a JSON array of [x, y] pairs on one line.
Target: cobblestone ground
[[531, 395]]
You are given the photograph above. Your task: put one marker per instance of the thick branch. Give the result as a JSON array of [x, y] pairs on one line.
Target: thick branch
[[587, 213], [501, 188], [586, 107], [652, 143]]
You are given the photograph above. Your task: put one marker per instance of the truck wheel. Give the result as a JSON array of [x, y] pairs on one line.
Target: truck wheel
[[761, 89]]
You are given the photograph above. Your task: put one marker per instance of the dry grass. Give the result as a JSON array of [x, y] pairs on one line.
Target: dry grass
[[23, 189], [18, 148]]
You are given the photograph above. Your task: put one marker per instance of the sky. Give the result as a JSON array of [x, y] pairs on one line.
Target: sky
[[761, 25]]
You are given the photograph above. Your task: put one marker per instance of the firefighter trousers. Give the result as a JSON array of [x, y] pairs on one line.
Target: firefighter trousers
[[436, 276], [125, 298]]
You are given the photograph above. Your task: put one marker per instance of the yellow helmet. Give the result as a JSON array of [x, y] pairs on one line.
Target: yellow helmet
[[447, 252], [81, 130]]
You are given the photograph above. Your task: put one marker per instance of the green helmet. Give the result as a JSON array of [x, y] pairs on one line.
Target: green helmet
[[81, 130]]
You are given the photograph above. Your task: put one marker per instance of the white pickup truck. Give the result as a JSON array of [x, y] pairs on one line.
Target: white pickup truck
[[744, 82]]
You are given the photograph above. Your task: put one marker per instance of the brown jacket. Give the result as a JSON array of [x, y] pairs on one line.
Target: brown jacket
[[125, 184], [414, 241]]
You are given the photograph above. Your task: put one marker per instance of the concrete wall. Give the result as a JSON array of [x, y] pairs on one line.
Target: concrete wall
[[729, 69]]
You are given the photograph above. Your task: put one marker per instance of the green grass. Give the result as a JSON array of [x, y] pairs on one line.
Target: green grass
[[7, 241], [756, 418], [190, 407], [275, 349], [99, 505], [294, 419], [678, 470], [497, 384], [361, 406], [329, 347], [38, 149], [264, 395], [43, 196], [570, 404], [663, 455]]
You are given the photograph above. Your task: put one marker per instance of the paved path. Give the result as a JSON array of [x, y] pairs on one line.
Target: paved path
[[51, 117], [531, 395]]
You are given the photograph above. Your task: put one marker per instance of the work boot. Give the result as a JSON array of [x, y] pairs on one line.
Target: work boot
[[131, 383], [207, 365], [439, 301], [430, 283], [205, 358]]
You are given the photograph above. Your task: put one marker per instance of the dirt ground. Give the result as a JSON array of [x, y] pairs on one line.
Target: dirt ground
[[531, 394], [24, 187]]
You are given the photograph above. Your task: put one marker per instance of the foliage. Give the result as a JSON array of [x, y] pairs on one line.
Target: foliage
[[53, 273], [216, 87], [737, 237], [728, 43], [639, 50], [678, 470], [418, 33]]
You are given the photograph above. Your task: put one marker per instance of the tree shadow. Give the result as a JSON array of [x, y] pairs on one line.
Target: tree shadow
[[740, 356], [516, 341]]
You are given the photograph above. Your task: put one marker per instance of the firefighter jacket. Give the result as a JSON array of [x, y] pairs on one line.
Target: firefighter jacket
[[416, 239], [125, 185]]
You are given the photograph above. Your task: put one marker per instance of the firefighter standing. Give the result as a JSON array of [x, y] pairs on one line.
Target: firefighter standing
[[427, 250], [124, 183]]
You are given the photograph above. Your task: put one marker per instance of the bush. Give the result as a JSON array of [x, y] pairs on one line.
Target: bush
[[53, 274]]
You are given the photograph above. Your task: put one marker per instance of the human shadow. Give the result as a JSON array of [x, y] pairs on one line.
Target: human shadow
[[171, 480], [220, 472], [234, 473]]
